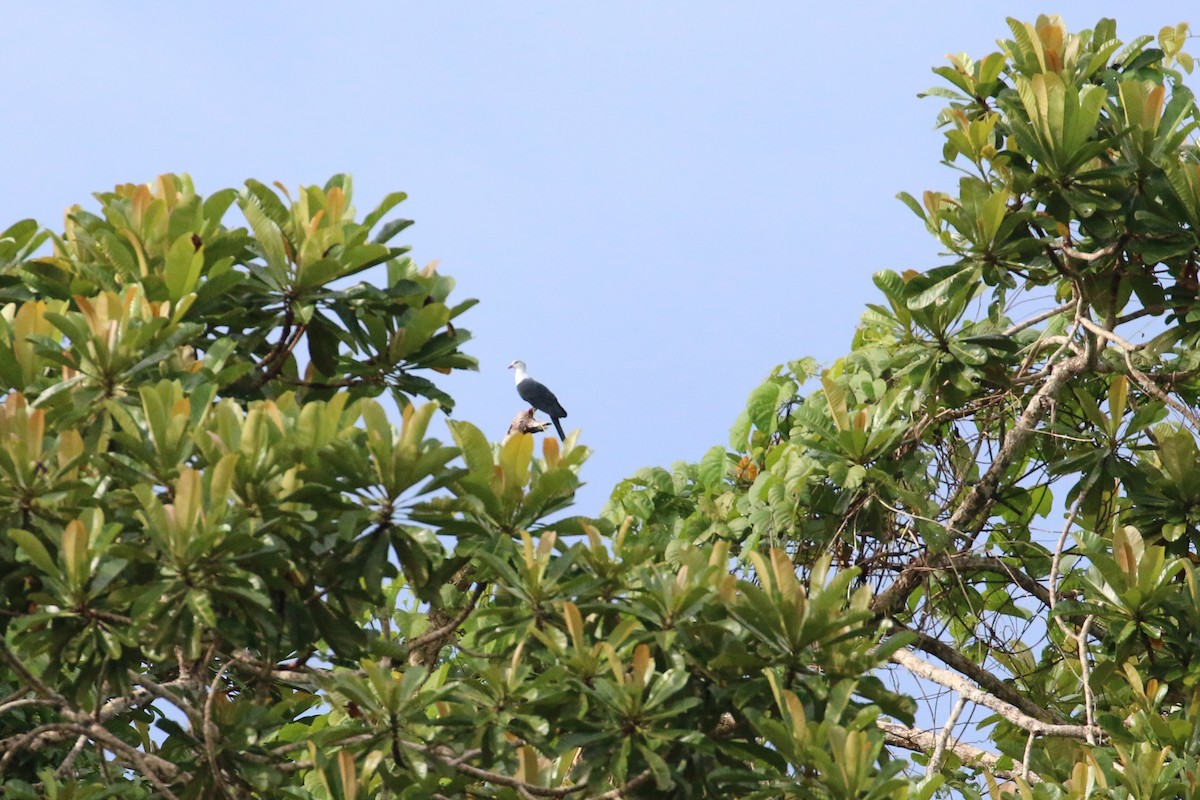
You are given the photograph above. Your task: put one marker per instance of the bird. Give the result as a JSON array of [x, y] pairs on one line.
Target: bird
[[539, 397]]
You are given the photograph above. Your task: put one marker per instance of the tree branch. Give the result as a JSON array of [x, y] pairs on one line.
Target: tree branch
[[1036, 318], [65, 767], [444, 631], [35, 683], [445, 756], [967, 519], [525, 423], [1156, 391], [1104, 333], [987, 680], [210, 728], [939, 746], [925, 741], [1095, 255], [944, 677], [967, 516]]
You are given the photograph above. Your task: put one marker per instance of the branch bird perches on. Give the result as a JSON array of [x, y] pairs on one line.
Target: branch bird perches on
[[538, 396]]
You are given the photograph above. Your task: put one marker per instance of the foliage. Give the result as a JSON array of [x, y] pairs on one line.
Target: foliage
[[936, 457], [228, 572]]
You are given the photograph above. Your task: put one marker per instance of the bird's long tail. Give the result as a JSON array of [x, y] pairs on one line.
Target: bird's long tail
[[558, 427]]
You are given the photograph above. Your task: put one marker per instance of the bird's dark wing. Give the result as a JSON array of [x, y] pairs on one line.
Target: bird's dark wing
[[540, 398]]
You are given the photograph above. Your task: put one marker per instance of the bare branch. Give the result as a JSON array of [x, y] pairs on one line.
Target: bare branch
[[210, 728], [1104, 333], [33, 739], [982, 494], [989, 681], [1058, 551], [1036, 318], [939, 747], [925, 741], [165, 692], [1133, 315], [152, 767], [967, 519], [147, 764], [944, 677], [12, 705], [525, 423], [65, 767], [622, 791], [1155, 390], [1089, 702], [444, 631], [960, 562], [493, 777], [1096, 255], [969, 563], [34, 682], [1025, 758], [308, 676], [119, 705]]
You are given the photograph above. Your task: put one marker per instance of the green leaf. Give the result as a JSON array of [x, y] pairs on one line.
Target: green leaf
[[35, 551], [713, 467], [181, 272], [389, 230], [836, 395], [762, 406], [270, 240], [388, 203]]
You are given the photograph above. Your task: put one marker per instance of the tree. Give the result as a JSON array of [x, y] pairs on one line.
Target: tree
[[924, 461], [227, 573]]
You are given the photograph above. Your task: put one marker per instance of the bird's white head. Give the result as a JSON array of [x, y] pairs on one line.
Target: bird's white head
[[517, 365], [519, 375]]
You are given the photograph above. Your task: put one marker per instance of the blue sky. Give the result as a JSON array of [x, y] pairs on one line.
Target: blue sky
[[656, 203]]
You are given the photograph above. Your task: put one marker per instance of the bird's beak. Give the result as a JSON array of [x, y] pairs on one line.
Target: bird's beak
[[510, 366]]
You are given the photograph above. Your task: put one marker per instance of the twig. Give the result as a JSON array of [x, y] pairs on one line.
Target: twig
[[1062, 541], [1154, 389], [65, 766], [1036, 318], [164, 692], [443, 755], [1096, 255], [272, 363], [291, 747], [1104, 333], [439, 633], [1088, 701], [1025, 759], [939, 747], [303, 677], [25, 701], [621, 791], [34, 682], [210, 728]]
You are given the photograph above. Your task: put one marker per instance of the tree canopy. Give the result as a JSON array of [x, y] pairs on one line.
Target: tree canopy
[[958, 561]]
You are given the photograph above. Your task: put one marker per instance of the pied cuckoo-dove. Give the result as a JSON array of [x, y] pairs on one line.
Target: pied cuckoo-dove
[[538, 396]]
